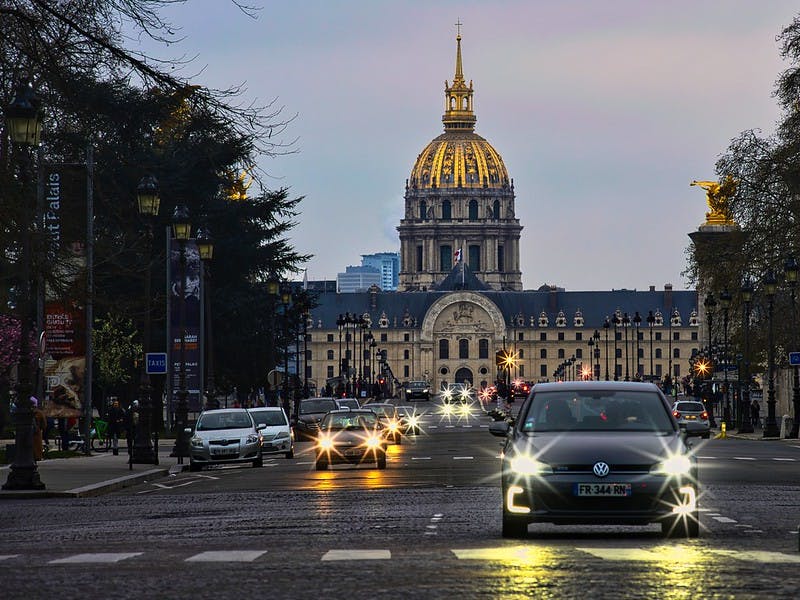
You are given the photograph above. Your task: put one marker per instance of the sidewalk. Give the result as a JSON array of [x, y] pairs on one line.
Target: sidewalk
[[93, 475]]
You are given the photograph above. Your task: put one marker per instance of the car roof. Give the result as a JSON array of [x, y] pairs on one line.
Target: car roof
[[224, 410], [265, 409], [346, 410], [596, 385]]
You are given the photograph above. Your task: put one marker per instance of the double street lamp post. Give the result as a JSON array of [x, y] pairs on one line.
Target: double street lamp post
[[651, 320], [744, 405], [23, 121], [181, 229], [148, 203], [771, 424], [791, 270], [596, 367], [725, 302], [606, 325], [205, 248], [637, 322], [626, 322], [286, 299]]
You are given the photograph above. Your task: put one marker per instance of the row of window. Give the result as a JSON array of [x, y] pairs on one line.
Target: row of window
[[447, 209], [657, 336]]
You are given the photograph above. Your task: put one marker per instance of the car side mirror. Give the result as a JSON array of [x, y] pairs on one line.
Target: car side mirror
[[260, 427], [499, 428]]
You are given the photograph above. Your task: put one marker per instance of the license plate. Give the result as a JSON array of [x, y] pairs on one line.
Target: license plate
[[691, 418], [612, 490], [224, 451], [352, 452]]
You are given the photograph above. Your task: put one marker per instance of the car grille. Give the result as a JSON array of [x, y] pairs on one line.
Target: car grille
[[229, 442], [555, 502], [587, 468]]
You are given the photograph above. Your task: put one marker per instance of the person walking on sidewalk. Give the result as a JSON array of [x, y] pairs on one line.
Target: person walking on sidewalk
[[116, 424], [755, 410]]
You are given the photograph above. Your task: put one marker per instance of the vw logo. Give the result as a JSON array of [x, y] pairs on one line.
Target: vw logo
[[600, 469]]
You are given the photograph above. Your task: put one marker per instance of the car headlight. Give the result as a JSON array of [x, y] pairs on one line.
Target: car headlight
[[197, 441], [674, 465], [408, 391], [253, 438], [413, 422], [281, 435], [393, 426], [523, 464], [325, 443], [373, 442]]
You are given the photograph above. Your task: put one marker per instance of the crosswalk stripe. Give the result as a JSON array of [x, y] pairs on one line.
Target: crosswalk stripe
[[226, 556], [760, 556], [8, 556], [357, 555], [98, 557], [627, 554], [509, 554], [724, 519], [786, 459]]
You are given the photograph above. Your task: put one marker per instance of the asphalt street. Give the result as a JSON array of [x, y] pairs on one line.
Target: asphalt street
[[426, 527]]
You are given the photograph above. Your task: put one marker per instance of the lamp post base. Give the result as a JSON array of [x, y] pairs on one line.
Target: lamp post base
[[23, 478], [771, 430]]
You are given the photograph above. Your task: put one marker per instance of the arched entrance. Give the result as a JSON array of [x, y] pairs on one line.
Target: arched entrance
[[463, 375]]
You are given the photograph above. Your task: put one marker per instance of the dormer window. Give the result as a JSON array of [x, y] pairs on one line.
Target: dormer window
[[659, 322], [577, 320], [561, 319], [693, 320], [383, 322], [543, 320]]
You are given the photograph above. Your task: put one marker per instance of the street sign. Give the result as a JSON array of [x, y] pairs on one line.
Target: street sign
[[794, 358], [274, 378], [156, 363]]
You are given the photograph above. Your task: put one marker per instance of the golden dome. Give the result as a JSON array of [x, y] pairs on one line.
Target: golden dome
[[459, 157]]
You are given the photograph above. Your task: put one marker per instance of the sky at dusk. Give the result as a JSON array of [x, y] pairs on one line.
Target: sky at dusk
[[603, 111]]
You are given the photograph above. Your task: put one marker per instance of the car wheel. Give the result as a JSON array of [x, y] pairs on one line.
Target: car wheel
[[193, 466], [322, 465], [259, 462], [514, 527], [684, 526], [381, 460]]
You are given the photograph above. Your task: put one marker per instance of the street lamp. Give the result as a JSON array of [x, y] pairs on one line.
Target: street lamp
[[747, 297], [596, 368], [771, 424], [205, 247], [591, 353], [606, 325], [615, 320], [24, 124], [148, 203], [790, 271], [725, 303], [626, 321], [651, 320], [182, 229], [637, 322], [273, 291], [286, 299]]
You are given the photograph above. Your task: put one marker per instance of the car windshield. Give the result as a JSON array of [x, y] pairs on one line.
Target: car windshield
[[594, 410], [322, 405], [214, 421], [690, 407], [382, 411], [268, 417], [418, 384], [349, 421], [349, 403]]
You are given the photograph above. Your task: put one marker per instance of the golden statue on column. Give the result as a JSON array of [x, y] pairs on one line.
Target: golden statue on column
[[718, 195]]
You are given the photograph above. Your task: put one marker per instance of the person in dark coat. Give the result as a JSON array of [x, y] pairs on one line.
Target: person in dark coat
[[116, 424]]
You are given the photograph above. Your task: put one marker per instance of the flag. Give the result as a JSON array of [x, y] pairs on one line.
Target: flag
[[457, 255]]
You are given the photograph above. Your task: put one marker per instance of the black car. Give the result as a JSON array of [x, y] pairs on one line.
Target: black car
[[597, 452], [419, 390], [309, 414]]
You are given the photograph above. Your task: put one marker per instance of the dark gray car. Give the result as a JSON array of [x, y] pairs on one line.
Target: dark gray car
[[309, 414], [597, 452]]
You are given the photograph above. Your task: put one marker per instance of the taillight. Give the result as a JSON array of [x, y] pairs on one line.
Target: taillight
[[704, 415], [676, 414]]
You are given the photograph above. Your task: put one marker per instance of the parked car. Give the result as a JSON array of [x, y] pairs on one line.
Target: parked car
[[419, 390], [277, 436], [309, 414], [350, 436], [387, 414], [348, 403], [225, 436], [597, 452], [692, 415]]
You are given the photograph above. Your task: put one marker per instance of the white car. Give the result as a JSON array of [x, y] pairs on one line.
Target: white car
[[693, 416], [225, 436], [277, 436]]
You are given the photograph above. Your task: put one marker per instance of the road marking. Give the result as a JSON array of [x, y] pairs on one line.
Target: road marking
[[204, 476], [725, 519], [708, 457], [226, 556], [420, 458], [786, 459], [467, 426], [506, 554], [357, 555], [7, 556], [177, 485], [433, 427], [98, 557], [463, 458], [743, 458]]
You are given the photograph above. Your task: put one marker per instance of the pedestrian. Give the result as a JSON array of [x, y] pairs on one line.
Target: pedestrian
[[131, 422], [116, 424], [755, 410], [39, 426]]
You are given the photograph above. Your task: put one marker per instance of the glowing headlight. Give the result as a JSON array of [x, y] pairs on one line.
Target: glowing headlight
[[526, 465], [674, 465], [447, 409], [197, 441], [413, 422], [372, 442], [393, 426], [325, 443]]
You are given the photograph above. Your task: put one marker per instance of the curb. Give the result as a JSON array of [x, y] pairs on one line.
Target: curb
[[86, 491]]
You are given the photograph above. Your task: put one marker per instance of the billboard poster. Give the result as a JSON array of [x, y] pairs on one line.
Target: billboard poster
[[191, 306], [64, 219]]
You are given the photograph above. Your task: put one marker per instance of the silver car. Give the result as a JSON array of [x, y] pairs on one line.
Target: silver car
[[277, 436], [692, 415], [225, 436]]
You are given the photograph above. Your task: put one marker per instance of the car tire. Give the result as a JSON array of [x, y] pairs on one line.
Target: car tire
[[322, 465], [514, 527], [381, 460], [259, 462], [193, 466]]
